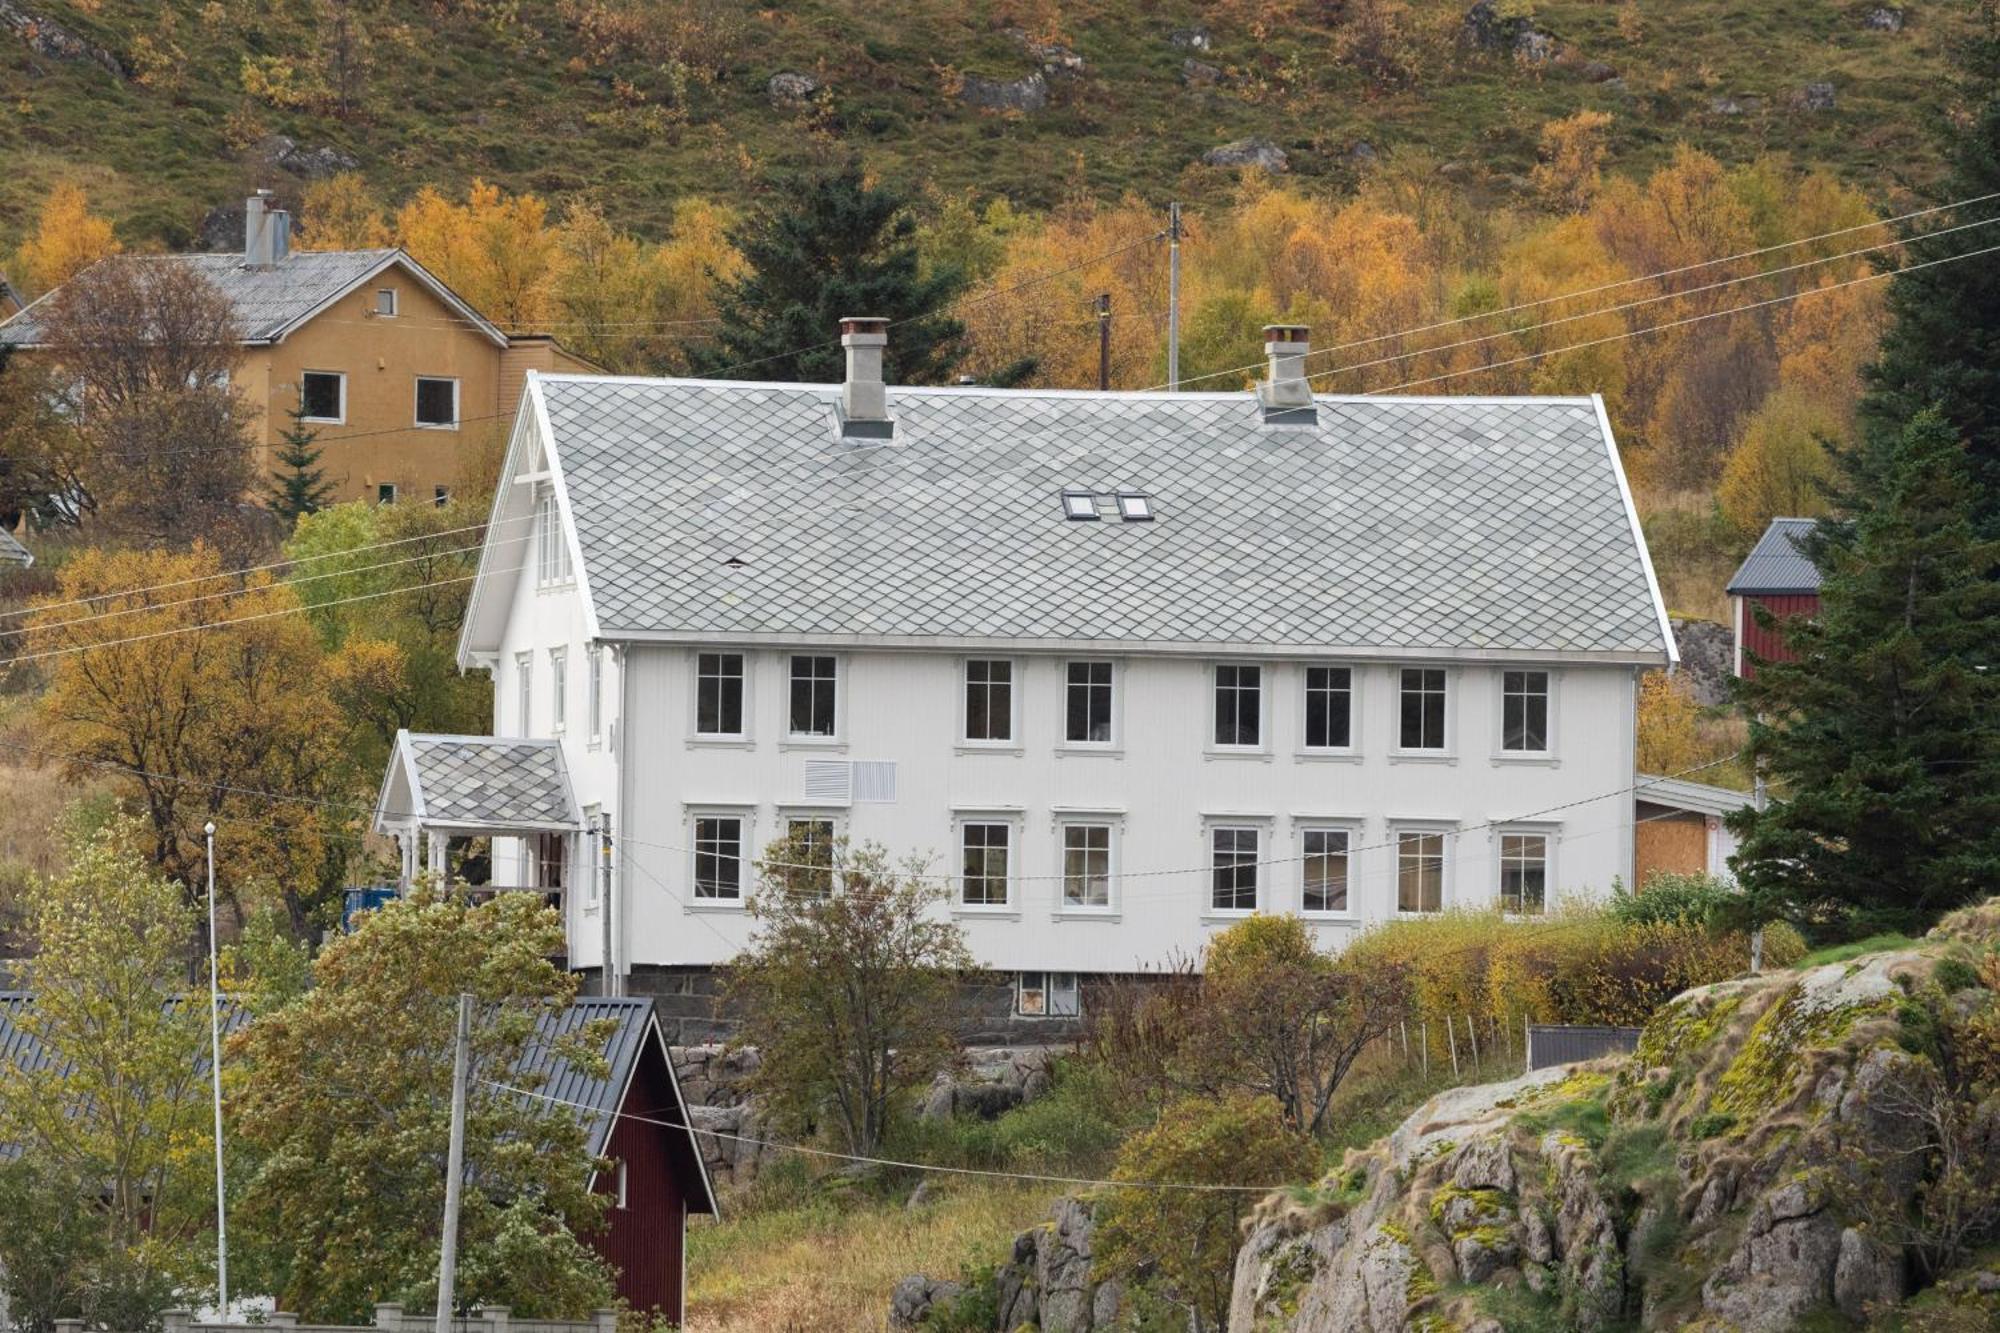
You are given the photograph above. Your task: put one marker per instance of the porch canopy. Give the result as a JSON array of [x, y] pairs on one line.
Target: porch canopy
[[442, 787]]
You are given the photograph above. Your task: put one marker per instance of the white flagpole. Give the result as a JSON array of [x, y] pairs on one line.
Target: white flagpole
[[215, 1082]]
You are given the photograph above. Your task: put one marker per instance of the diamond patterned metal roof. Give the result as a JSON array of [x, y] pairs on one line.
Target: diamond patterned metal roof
[[484, 782], [1776, 564], [706, 508]]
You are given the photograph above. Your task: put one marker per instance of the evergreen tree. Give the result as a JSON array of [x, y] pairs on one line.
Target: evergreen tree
[[1882, 738], [302, 488], [1943, 349], [835, 246]]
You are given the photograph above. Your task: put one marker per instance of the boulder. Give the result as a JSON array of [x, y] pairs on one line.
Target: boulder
[[50, 39], [723, 1134], [1708, 659], [790, 86], [1199, 73], [1596, 71], [916, 1296], [992, 1081], [1782, 1267], [714, 1074], [1022, 95], [1253, 152], [1056, 60], [1190, 39], [1048, 1283], [1883, 18], [282, 152], [1814, 97], [1485, 29], [1865, 1273]]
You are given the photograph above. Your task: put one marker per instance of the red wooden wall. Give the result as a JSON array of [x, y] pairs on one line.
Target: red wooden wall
[[643, 1240], [1769, 644]]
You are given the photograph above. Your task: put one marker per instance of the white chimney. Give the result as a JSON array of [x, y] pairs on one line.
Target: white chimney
[[1287, 346], [267, 231], [864, 402]]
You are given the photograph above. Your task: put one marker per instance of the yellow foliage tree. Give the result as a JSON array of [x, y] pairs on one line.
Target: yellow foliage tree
[[68, 238], [498, 252], [1782, 465], [1670, 737], [341, 214], [1571, 170]]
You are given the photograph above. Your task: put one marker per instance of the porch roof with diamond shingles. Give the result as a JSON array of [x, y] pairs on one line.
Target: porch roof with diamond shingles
[[726, 509], [477, 781]]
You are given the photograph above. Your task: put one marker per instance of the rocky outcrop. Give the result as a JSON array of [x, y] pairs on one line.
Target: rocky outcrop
[[281, 152], [1485, 28], [1057, 61], [50, 39], [1883, 18], [1048, 1284], [1814, 97], [1022, 95], [917, 1295], [991, 1082], [1254, 152], [714, 1079], [788, 87], [1708, 659]]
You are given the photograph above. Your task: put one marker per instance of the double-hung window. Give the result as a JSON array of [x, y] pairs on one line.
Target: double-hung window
[[1086, 866], [985, 862], [1419, 871], [1423, 709], [989, 700], [1088, 704], [1239, 700], [718, 858], [809, 842], [1524, 712], [1524, 872], [437, 403], [815, 682], [1323, 856], [558, 688], [524, 692], [1233, 868], [718, 694], [1329, 708], [596, 705], [552, 550]]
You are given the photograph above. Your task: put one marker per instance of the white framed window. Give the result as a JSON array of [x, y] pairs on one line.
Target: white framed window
[[558, 689], [1088, 699], [524, 692], [436, 403], [986, 862], [385, 494], [1135, 507], [1524, 712], [1234, 869], [385, 302], [323, 396], [1524, 871], [551, 543], [1047, 995], [718, 839], [1421, 719], [989, 701], [1080, 506], [1420, 870], [811, 838], [594, 656], [1239, 706], [718, 694], [1326, 870], [1087, 865], [815, 695], [1329, 708]]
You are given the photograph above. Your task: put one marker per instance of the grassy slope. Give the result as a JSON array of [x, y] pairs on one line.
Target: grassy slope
[[456, 92]]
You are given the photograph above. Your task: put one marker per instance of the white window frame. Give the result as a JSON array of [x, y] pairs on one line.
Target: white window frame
[[594, 707], [817, 738], [338, 375], [553, 566], [1500, 750], [558, 690], [1551, 836], [387, 493], [1355, 711], [1112, 828], [1263, 742], [1443, 751], [1049, 985], [961, 823], [745, 854], [1351, 830], [1402, 829], [1261, 880], [1107, 746], [832, 816], [742, 734], [390, 308], [524, 693], [417, 396], [1012, 743]]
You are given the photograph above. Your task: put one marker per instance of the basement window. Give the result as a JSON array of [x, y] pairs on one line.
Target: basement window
[[1079, 506], [1047, 995], [1134, 507]]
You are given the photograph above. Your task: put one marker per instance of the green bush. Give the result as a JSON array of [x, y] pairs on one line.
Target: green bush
[[1955, 974], [1685, 900]]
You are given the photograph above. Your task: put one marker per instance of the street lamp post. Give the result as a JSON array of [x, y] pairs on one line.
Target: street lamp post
[[215, 1083]]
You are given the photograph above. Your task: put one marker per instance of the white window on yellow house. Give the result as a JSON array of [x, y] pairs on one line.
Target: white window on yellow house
[[323, 396], [385, 302], [437, 403]]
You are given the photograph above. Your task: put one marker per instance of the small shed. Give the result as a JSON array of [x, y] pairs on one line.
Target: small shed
[[1678, 830], [1778, 577]]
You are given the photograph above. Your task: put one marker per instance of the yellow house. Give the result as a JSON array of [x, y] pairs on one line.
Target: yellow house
[[400, 380]]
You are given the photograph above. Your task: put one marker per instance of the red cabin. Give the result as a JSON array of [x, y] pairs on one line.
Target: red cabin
[[1777, 576]]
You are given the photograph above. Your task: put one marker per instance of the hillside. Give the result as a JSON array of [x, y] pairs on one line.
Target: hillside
[[165, 109]]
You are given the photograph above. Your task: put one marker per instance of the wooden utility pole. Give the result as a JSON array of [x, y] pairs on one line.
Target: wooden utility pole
[[1104, 342], [454, 1167]]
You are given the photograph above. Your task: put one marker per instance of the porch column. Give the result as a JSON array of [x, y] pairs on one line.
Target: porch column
[[439, 860]]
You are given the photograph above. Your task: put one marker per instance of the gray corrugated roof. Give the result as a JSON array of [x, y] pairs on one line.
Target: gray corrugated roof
[[1445, 524], [475, 780], [1775, 564], [12, 552], [266, 299]]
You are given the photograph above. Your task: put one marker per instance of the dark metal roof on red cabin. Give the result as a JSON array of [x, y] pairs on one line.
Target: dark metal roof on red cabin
[[1776, 566]]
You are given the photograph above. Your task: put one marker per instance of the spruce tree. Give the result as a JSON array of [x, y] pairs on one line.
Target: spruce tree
[[302, 488], [1882, 738], [833, 246]]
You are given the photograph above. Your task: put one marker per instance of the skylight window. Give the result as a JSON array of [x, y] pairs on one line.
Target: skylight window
[[1134, 507], [1079, 506]]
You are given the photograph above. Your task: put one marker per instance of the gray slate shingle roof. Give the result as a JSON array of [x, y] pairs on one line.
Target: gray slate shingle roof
[[481, 781], [1446, 524], [266, 299], [1775, 564]]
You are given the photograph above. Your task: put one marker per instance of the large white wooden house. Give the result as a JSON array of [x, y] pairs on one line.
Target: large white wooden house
[[1124, 667]]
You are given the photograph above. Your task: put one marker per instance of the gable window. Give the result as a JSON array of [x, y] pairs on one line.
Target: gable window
[[810, 840], [989, 700], [1088, 704], [385, 494], [985, 853], [1047, 995], [813, 695], [437, 403], [385, 302], [1422, 723], [595, 668], [1419, 871], [1239, 698], [1233, 869], [558, 688], [1329, 708], [524, 691], [1086, 870], [1524, 712], [1524, 872], [552, 547], [323, 396], [1323, 853], [718, 857], [718, 694]]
